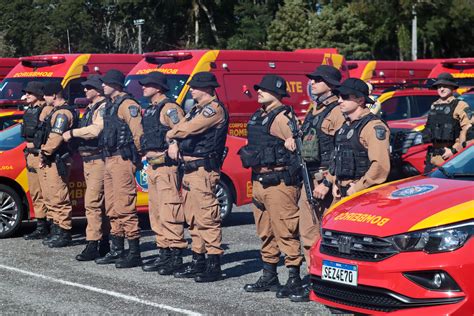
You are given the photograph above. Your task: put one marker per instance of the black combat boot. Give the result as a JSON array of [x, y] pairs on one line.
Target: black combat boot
[[294, 283], [41, 231], [133, 257], [90, 252], [267, 282], [53, 234], [164, 257], [116, 251], [64, 239], [104, 246], [213, 270], [174, 263], [194, 268], [301, 294]]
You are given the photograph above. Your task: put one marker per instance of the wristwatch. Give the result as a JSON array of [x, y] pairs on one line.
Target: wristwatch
[[172, 141], [327, 183], [454, 150]]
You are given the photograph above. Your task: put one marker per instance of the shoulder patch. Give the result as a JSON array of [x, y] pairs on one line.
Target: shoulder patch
[[208, 111], [61, 124], [380, 132], [173, 115], [134, 110]]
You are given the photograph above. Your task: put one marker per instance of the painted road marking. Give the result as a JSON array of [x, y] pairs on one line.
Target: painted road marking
[[102, 291]]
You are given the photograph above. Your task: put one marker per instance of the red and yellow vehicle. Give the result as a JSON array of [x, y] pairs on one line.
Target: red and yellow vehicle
[[68, 69], [6, 64], [237, 71], [15, 201], [401, 248], [383, 74], [461, 68]]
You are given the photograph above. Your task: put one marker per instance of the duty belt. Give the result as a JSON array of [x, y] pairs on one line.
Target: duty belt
[[274, 178], [33, 151], [88, 158], [209, 164]]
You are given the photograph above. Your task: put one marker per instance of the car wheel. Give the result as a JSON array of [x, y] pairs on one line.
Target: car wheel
[[11, 213], [225, 198]]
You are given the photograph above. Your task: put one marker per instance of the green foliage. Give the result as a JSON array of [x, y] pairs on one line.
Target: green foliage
[[404, 43], [290, 28], [341, 29]]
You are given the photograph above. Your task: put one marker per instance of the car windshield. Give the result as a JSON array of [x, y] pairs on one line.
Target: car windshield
[[11, 88], [10, 137], [175, 83], [460, 167]]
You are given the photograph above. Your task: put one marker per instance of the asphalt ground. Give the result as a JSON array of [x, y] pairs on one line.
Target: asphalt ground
[[35, 279]]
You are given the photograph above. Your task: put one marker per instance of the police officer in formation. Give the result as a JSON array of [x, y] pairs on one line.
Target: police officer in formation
[[33, 117], [448, 123], [121, 145], [88, 135], [55, 161], [199, 141], [275, 187], [320, 125], [164, 198], [362, 156]]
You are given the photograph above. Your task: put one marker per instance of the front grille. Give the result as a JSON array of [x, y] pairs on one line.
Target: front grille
[[357, 247], [371, 298]]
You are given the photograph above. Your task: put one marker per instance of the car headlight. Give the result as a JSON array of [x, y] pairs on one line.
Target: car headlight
[[434, 240]]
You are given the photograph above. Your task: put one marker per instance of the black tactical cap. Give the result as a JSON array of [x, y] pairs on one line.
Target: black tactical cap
[[155, 78], [34, 87], [114, 76], [204, 79], [93, 81], [356, 87], [51, 88], [329, 74], [274, 84], [445, 79]]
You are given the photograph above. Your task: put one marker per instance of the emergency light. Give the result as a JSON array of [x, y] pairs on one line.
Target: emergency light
[[167, 57], [459, 63], [41, 61]]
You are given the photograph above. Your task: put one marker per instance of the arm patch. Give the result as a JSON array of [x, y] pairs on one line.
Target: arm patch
[[61, 124], [173, 115], [380, 132], [208, 111], [134, 110]]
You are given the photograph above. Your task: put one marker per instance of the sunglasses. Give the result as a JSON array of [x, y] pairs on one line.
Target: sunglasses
[[89, 88], [346, 97]]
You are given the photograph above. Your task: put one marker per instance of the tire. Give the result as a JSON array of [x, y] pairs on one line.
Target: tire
[[225, 198], [11, 211]]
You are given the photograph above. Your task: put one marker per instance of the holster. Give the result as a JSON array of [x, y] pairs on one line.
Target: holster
[[61, 165], [274, 178]]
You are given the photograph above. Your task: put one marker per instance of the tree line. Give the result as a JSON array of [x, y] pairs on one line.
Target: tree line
[[360, 29]]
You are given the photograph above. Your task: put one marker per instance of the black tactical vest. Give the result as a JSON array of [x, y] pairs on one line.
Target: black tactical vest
[[45, 128], [322, 155], [116, 133], [31, 122], [89, 145], [441, 124], [264, 149], [154, 131], [351, 157]]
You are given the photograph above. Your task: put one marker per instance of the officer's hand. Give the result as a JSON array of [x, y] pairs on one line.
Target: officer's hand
[[173, 151], [351, 189], [335, 192], [290, 144], [320, 191], [67, 136], [447, 153]]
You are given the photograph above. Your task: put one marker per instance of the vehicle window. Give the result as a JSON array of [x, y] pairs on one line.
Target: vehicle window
[[11, 88], [423, 104], [10, 138], [75, 90], [395, 108], [460, 167], [175, 83], [6, 122]]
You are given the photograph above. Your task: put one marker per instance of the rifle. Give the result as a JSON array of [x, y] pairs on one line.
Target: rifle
[[307, 180]]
